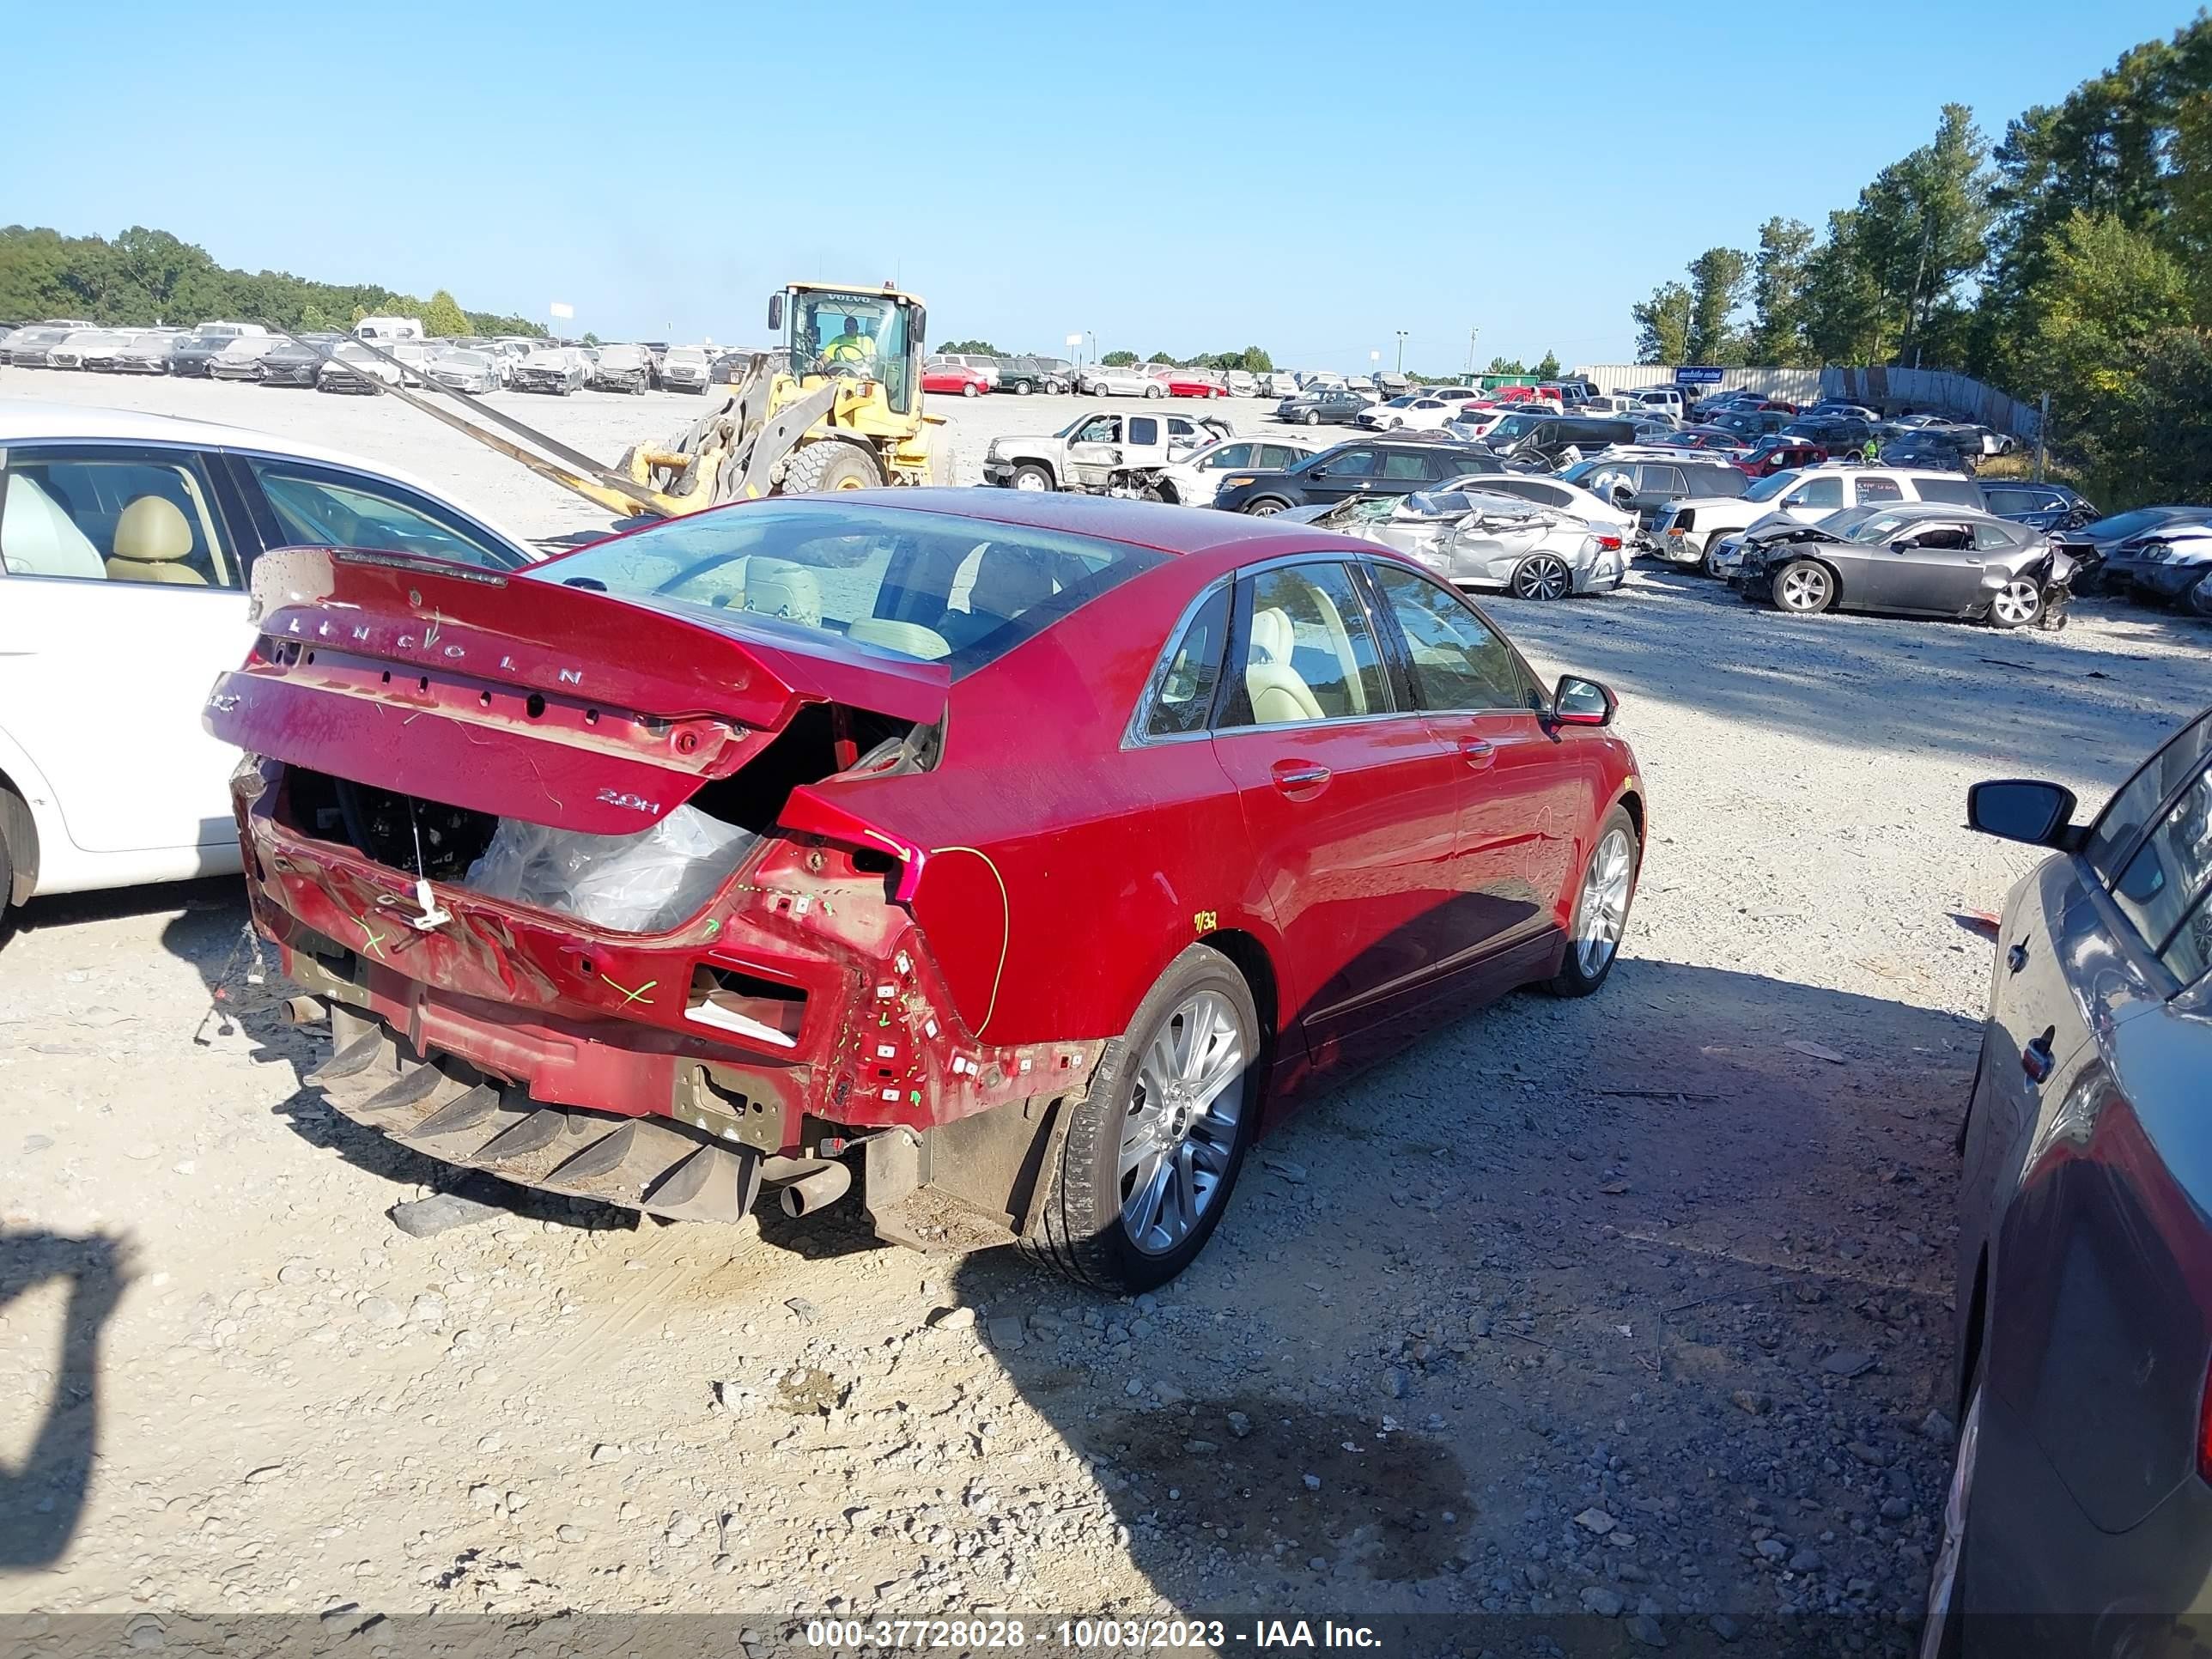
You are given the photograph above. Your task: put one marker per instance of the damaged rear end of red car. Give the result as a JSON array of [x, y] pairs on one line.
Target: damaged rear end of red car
[[597, 899]]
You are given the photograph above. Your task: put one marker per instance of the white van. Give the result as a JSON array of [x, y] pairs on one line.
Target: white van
[[388, 328], [231, 332]]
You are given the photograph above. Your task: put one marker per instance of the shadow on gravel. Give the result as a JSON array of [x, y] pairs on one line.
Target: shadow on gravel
[[1760, 665], [1569, 1318], [42, 1498]]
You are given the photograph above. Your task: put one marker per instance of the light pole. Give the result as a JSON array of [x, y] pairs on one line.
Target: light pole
[[1092, 336], [1374, 364], [1401, 351]]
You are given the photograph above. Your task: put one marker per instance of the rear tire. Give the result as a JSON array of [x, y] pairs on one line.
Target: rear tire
[[969, 390], [1154, 391], [1098, 1224], [18, 847], [830, 465], [1313, 417], [2197, 601], [1543, 577]]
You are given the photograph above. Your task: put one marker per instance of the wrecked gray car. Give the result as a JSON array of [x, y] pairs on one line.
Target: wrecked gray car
[[1481, 539], [1925, 559]]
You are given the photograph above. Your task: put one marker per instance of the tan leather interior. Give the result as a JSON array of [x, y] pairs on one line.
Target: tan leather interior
[[912, 638], [152, 540], [1279, 693], [777, 587]]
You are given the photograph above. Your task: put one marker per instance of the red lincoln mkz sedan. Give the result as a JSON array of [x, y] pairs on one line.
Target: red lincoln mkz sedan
[[1038, 849]]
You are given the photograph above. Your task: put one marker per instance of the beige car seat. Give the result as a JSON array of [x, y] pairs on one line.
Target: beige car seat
[[777, 587], [152, 540], [912, 638], [1279, 693]]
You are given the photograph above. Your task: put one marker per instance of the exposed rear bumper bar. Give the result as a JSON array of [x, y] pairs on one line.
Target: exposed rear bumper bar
[[445, 1110]]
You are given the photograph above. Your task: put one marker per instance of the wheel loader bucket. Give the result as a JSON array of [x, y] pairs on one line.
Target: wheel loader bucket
[[730, 454]]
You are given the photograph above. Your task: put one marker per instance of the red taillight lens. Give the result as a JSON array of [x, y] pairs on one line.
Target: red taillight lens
[[1608, 543], [2204, 1432]]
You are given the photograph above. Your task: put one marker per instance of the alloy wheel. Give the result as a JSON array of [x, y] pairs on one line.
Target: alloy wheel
[[1602, 916], [1803, 587], [1180, 1133], [2017, 602], [1544, 578]]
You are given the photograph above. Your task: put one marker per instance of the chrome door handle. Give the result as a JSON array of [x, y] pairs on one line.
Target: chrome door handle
[[1299, 778], [1477, 751]]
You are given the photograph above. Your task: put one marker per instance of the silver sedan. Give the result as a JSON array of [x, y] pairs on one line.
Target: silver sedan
[[1476, 538]]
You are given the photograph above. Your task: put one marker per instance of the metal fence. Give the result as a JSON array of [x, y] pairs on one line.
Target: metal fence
[[1891, 391], [1936, 390]]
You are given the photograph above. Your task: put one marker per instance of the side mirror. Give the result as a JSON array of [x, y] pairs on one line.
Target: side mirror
[[1578, 701], [1317, 472], [2022, 809], [775, 314], [1622, 495]]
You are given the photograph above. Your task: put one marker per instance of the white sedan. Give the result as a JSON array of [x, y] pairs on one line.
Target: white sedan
[[1416, 411], [126, 544], [1195, 479]]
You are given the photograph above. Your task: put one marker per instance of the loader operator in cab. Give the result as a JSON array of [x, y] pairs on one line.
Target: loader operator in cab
[[854, 345]]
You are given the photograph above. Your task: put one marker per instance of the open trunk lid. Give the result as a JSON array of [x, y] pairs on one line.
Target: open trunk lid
[[520, 696]]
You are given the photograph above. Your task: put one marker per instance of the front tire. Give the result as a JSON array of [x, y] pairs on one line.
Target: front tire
[[1313, 417], [1032, 476], [1601, 914], [1265, 507], [1153, 1150], [2017, 604], [1803, 587], [2197, 601], [829, 465], [1942, 1634]]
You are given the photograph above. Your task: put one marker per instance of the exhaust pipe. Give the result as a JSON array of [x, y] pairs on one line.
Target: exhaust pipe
[[305, 1011], [818, 1190]]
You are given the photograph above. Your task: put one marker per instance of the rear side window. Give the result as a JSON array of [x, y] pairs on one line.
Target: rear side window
[[2004, 502], [1143, 429], [1183, 695], [1308, 651], [1669, 478], [318, 509], [1401, 464], [1276, 456], [145, 516], [2112, 837], [1879, 489], [1951, 492]]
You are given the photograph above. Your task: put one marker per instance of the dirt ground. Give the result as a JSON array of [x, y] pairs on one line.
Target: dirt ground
[[1633, 1309]]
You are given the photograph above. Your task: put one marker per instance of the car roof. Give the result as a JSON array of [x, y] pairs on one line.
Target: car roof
[[28, 419]]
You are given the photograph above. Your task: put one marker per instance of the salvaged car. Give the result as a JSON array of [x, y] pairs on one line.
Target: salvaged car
[[243, 358], [1480, 539], [2077, 1516], [27, 348], [700, 858], [148, 351], [1931, 561], [559, 370], [295, 363], [683, 369], [1103, 451], [2172, 562], [353, 368], [623, 368], [475, 372]]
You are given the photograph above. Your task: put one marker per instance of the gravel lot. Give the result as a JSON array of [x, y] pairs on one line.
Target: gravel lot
[[1634, 1308]]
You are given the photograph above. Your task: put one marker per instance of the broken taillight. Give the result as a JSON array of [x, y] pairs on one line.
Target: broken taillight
[[2204, 1431], [1608, 544]]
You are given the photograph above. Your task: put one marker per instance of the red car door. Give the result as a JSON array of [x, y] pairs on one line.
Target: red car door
[[1350, 799], [1524, 793]]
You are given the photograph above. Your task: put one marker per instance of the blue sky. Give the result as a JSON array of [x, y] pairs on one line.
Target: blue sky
[[1308, 177]]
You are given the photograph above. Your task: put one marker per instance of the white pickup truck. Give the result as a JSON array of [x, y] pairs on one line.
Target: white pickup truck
[[1103, 452]]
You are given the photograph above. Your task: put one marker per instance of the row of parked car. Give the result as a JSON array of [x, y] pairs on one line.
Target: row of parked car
[[1544, 505], [330, 361]]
